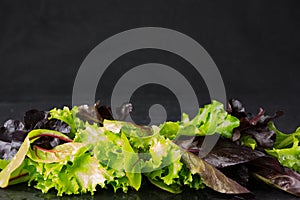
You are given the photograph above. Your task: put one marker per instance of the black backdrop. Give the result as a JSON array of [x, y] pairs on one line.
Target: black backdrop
[[255, 45]]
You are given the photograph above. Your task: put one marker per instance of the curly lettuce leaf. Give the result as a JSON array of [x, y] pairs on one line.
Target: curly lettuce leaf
[[114, 152], [159, 158], [78, 176], [286, 148], [211, 119], [117, 153], [68, 116], [15, 167], [174, 176], [18, 159], [139, 136], [154, 150], [170, 129], [129, 150], [288, 157]]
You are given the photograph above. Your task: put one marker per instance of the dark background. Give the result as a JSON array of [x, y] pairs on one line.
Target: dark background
[[255, 45]]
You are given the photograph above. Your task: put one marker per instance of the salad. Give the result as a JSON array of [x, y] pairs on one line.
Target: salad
[[83, 150]]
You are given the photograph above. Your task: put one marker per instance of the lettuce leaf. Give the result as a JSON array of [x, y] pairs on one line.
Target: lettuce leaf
[[172, 177], [69, 168], [286, 148], [68, 116], [211, 119], [77, 176], [131, 159], [59, 153], [252, 125], [269, 170], [18, 159], [16, 162], [211, 176], [114, 153], [248, 141], [127, 151]]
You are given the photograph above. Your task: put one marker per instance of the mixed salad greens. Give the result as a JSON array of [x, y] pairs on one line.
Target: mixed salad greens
[[83, 149]]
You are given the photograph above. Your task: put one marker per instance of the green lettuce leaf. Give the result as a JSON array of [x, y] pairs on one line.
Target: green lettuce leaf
[[68, 116], [117, 154], [174, 176], [3, 163], [18, 159], [211, 119], [286, 148], [81, 175], [128, 150], [114, 152], [15, 171], [132, 168], [174, 188], [283, 140], [58, 154], [248, 141]]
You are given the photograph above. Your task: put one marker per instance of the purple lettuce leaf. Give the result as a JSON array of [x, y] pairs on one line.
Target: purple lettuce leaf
[[255, 126]]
